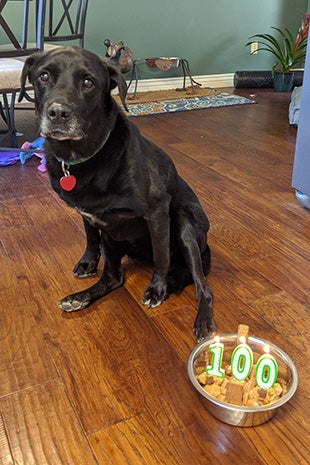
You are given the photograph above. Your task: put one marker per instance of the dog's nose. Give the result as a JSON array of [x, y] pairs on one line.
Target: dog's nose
[[58, 112]]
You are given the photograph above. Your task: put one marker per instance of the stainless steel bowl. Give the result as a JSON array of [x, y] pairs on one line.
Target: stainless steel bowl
[[175, 61], [241, 415]]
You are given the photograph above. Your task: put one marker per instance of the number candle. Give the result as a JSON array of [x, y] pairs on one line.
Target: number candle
[[217, 354], [241, 360], [266, 370]]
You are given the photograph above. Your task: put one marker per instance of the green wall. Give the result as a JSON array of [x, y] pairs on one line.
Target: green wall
[[210, 33]]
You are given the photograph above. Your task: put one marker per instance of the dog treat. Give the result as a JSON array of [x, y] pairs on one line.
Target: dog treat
[[243, 332], [242, 393], [234, 392]]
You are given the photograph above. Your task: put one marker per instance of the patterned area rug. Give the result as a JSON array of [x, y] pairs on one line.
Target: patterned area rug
[[171, 94], [213, 99]]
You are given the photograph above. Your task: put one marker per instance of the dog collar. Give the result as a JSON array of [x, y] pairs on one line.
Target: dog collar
[[88, 157], [68, 181]]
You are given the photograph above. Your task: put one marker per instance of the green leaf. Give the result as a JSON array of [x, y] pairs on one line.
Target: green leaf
[[290, 37], [282, 48]]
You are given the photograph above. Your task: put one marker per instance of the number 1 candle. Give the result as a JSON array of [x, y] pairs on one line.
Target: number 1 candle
[[215, 368]]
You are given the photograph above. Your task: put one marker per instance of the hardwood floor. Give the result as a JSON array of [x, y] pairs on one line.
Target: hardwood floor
[[108, 385]]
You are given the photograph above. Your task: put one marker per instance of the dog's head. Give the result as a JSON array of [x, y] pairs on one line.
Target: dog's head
[[73, 96]]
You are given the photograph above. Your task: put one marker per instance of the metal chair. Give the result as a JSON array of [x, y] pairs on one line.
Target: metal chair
[[22, 39], [64, 21]]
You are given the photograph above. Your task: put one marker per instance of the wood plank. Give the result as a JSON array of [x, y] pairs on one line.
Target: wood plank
[[34, 268], [43, 429], [283, 271], [255, 461], [281, 441], [12, 213], [24, 359], [152, 440], [286, 312], [240, 275], [5, 449], [8, 283], [137, 440], [21, 180]]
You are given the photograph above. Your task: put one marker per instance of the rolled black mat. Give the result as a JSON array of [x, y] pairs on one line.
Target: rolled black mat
[[261, 79]]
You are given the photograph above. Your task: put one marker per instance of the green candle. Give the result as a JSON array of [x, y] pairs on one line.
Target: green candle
[[241, 361], [215, 368], [266, 370]]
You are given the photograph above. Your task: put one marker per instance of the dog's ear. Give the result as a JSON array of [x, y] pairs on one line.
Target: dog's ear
[[118, 80], [27, 72]]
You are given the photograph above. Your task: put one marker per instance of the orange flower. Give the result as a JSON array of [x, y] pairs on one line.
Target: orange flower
[[303, 32]]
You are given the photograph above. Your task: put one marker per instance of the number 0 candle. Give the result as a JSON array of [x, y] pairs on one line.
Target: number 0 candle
[[241, 361], [266, 370], [217, 354]]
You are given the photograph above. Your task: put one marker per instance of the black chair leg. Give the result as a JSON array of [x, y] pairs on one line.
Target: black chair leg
[[7, 112]]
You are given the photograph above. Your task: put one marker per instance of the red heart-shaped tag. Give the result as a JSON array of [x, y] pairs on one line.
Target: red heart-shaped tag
[[68, 183]]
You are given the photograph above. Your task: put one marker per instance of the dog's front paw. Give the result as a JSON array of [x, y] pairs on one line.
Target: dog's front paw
[[74, 302], [203, 328], [154, 295]]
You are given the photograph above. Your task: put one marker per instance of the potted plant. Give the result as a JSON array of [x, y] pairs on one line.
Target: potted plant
[[287, 50]]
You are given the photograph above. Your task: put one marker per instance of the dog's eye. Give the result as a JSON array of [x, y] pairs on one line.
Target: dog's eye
[[88, 83], [44, 77]]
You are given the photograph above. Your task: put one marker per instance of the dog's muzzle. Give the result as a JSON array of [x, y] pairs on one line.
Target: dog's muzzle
[[60, 122]]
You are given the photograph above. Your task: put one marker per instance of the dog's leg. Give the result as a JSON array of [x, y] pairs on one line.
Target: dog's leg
[[87, 265], [204, 324], [111, 278], [159, 227]]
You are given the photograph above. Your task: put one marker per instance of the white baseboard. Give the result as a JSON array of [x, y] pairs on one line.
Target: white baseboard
[[211, 80]]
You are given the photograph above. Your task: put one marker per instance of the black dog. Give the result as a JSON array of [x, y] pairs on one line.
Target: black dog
[[126, 188]]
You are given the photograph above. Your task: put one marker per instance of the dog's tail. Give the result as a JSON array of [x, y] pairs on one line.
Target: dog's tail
[[179, 275]]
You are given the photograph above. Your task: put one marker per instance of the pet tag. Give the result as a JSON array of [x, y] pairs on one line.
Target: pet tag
[[68, 181]]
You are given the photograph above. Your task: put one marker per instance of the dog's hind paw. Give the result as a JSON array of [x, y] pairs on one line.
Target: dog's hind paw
[[154, 295], [84, 268], [73, 303]]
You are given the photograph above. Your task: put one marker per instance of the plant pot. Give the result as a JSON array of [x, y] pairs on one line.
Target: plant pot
[[283, 82]]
